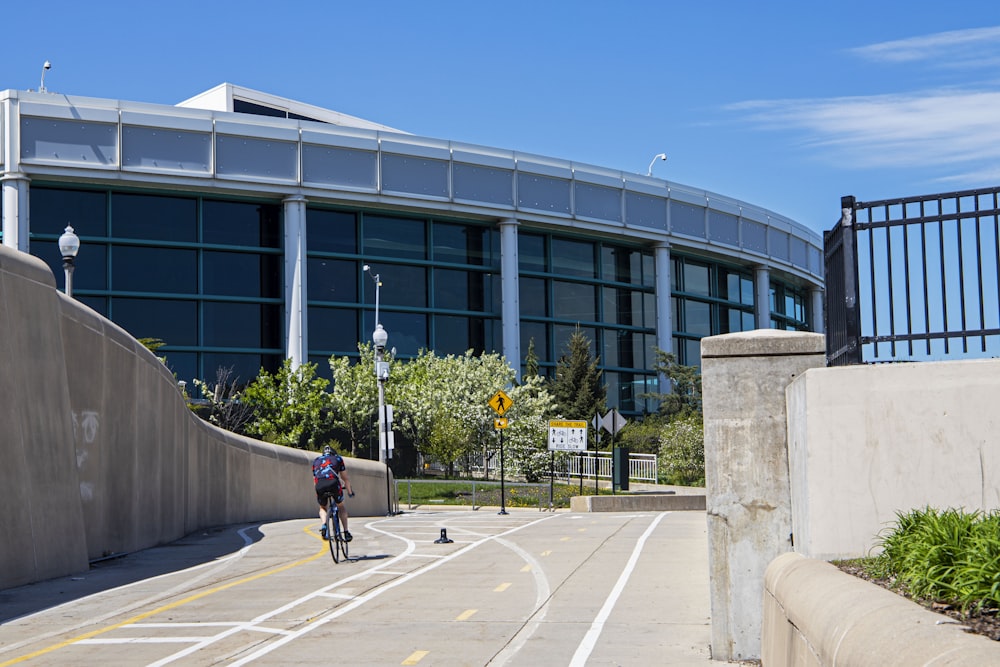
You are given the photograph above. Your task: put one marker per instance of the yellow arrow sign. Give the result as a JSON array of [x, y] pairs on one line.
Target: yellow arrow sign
[[500, 402], [500, 422]]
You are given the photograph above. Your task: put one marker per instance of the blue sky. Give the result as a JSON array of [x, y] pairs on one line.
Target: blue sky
[[786, 105]]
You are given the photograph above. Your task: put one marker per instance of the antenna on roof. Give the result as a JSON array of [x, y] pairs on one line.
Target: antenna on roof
[[45, 68]]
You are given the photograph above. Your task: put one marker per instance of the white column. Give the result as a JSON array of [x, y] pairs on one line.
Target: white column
[[818, 325], [510, 298], [664, 306], [15, 211], [762, 297], [296, 343]]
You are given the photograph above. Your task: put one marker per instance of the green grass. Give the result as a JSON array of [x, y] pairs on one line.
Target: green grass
[[949, 556], [460, 492]]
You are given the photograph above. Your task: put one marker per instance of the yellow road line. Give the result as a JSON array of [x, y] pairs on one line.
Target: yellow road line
[[415, 657], [466, 615], [173, 605], [526, 568], [502, 587]]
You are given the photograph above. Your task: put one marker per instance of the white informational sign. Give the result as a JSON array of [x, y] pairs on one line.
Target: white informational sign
[[567, 435]]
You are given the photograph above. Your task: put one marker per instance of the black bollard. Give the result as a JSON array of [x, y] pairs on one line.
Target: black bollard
[[444, 537]]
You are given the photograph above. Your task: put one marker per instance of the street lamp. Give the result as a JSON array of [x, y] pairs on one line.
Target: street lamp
[[658, 156], [380, 337], [69, 245]]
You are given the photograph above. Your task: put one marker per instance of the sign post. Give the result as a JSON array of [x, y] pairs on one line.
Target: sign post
[[501, 403], [566, 436]]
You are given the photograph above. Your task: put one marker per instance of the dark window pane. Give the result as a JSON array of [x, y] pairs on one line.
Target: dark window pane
[[332, 280], [455, 335], [574, 301], [461, 244], [407, 332], [533, 297], [241, 274], [404, 286], [563, 333], [697, 318], [52, 210], [395, 237], [154, 270], [463, 290], [185, 366], [538, 332], [245, 366], [531, 252], [91, 264], [154, 217], [173, 322], [696, 279], [335, 330], [98, 303], [331, 231], [241, 223], [573, 258], [241, 325], [621, 265]]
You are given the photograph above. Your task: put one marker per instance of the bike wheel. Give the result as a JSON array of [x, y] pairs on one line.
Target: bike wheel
[[333, 534], [343, 543]]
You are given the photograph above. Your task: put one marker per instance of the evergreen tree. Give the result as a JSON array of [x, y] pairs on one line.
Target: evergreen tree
[[578, 390], [684, 397], [530, 361]]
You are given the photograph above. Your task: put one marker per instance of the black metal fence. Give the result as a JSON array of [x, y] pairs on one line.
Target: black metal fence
[[914, 279]]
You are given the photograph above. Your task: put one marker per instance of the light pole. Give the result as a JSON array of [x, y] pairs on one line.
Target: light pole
[[658, 156], [69, 245], [380, 337]]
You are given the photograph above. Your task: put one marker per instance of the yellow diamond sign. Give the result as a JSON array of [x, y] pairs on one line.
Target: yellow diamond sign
[[500, 402]]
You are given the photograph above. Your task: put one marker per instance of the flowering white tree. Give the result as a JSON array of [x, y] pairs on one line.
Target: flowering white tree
[[354, 399]]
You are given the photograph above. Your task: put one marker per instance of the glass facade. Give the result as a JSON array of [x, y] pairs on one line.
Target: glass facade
[[206, 275]]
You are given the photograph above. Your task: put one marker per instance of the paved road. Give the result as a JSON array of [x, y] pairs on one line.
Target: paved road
[[526, 588]]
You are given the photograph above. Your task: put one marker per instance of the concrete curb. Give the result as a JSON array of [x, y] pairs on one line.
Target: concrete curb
[[647, 502], [815, 614]]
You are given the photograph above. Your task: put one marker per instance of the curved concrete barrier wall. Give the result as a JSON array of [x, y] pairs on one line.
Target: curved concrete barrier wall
[[100, 455], [817, 616]]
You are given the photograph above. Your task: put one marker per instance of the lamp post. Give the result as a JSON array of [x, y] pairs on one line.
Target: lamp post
[[69, 245], [380, 337], [658, 156]]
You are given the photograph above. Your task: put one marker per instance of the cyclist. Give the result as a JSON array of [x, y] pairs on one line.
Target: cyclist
[[330, 478]]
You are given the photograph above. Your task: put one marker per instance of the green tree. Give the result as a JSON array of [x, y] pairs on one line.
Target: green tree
[[684, 396], [642, 436], [682, 451], [578, 390], [354, 399], [291, 407], [530, 360]]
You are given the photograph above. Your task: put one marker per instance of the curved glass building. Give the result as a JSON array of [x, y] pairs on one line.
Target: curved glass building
[[236, 226]]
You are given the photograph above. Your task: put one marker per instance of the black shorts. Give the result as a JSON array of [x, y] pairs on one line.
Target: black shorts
[[329, 487]]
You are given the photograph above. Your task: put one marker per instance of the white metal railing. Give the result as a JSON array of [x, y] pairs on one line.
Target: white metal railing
[[641, 467]]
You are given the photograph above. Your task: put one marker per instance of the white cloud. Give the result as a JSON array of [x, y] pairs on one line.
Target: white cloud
[[976, 47]]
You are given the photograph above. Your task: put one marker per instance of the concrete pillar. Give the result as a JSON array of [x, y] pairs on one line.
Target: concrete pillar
[[15, 211], [816, 308], [296, 312], [664, 306], [510, 298], [762, 297], [748, 497]]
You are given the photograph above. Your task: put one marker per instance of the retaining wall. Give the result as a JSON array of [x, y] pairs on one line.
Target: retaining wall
[[100, 455]]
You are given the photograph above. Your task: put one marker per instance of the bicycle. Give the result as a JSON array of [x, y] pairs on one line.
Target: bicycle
[[334, 536]]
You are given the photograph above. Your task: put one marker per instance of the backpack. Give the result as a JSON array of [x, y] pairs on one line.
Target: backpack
[[326, 467]]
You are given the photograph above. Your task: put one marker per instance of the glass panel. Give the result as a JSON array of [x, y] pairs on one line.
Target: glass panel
[[52, 210], [697, 318], [621, 265], [563, 333], [648, 310], [241, 274], [245, 367], [335, 330], [484, 184], [754, 236], [645, 211], [538, 332], [531, 252], [98, 303], [407, 332], [723, 227], [574, 301], [692, 353], [173, 322], [394, 237], [419, 175], [331, 231], [543, 192], [135, 269], [332, 280], [696, 279], [533, 295], [648, 270], [456, 335], [461, 244], [184, 365], [154, 217], [687, 219], [597, 201], [622, 306], [403, 286], [91, 264], [240, 223], [339, 166], [462, 290], [573, 258], [241, 324]]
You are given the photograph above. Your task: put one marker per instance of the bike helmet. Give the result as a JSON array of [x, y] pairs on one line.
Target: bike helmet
[[328, 450]]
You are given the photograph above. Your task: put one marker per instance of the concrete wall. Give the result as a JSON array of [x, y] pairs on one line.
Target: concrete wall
[[866, 442], [748, 503], [815, 615], [99, 454]]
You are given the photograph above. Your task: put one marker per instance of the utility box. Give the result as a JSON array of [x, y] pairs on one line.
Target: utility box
[[619, 468]]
